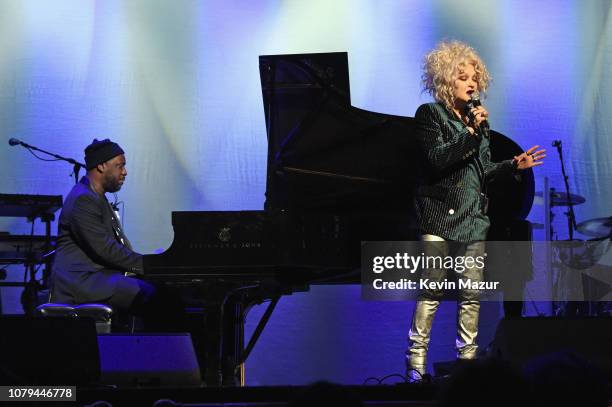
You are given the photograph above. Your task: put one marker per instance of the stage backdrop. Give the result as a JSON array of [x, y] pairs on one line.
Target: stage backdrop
[[176, 83]]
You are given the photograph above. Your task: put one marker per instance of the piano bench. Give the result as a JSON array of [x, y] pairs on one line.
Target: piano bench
[[101, 313]]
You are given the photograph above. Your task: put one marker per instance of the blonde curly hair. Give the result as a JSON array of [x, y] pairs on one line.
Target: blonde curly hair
[[442, 66]]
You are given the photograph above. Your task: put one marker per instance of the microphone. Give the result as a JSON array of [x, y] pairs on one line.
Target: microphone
[[14, 141], [556, 143], [472, 103], [115, 205]]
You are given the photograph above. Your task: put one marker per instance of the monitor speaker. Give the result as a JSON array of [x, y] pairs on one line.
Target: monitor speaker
[[48, 351], [148, 360], [520, 340]]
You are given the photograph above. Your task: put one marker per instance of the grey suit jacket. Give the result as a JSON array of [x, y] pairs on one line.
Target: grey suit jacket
[[451, 202], [91, 249]]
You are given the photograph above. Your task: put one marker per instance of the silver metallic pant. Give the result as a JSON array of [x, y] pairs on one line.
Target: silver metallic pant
[[467, 313]]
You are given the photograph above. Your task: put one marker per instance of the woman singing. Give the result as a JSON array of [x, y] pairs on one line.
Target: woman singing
[[451, 203]]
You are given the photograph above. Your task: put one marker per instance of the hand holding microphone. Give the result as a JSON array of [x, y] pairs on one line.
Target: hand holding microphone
[[477, 114]]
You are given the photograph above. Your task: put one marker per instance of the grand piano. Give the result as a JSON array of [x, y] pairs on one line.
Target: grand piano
[[336, 175]]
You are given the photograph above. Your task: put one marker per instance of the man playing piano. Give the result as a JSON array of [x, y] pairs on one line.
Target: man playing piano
[[94, 260], [451, 203]]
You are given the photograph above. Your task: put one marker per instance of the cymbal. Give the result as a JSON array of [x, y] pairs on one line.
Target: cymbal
[[598, 227], [560, 199]]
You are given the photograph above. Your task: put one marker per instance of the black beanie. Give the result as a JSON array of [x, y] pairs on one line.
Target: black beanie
[[99, 152]]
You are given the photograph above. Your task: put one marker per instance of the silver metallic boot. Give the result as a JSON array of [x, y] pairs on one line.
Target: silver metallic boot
[[467, 329], [418, 338]]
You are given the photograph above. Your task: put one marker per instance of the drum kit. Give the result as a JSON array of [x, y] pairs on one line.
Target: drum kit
[[578, 260], [580, 255], [597, 228]]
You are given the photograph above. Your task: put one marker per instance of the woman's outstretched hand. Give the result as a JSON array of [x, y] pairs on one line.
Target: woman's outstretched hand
[[530, 158]]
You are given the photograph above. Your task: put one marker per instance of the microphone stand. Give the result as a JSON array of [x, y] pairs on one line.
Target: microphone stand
[[30, 292], [571, 220], [76, 166]]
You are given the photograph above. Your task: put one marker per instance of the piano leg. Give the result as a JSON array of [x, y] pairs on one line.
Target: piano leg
[[217, 330], [218, 343], [233, 374], [233, 353]]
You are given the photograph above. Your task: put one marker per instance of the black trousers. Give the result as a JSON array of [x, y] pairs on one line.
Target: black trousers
[[160, 309]]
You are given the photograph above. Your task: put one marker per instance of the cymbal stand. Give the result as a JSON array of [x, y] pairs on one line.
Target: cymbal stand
[[32, 287], [571, 217]]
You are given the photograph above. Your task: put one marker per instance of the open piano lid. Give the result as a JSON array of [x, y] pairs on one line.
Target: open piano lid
[[322, 152]]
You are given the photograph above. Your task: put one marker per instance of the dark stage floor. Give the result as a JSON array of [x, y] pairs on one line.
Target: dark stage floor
[[392, 395]]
